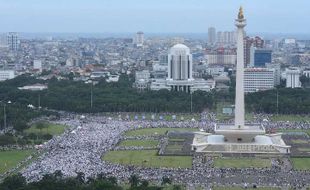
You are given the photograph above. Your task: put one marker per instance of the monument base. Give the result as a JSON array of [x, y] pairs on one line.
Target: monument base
[[262, 144]]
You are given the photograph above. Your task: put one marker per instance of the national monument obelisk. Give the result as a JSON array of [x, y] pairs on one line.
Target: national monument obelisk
[[239, 99]]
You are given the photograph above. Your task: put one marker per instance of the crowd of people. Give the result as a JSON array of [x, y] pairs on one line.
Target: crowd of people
[[81, 147]]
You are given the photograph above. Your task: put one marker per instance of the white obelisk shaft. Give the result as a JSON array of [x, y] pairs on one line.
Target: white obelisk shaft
[[239, 100]]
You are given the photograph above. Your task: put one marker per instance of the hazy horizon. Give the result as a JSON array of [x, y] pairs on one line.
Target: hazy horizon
[[173, 16]]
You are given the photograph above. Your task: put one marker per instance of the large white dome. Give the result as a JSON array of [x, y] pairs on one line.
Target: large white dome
[[178, 48]]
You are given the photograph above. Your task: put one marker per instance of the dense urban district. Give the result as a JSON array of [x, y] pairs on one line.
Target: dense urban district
[[122, 113]]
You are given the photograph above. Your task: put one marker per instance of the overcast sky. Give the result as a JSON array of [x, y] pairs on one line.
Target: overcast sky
[[155, 16]]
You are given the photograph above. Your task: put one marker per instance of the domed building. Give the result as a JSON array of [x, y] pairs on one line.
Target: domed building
[[180, 73], [180, 63]]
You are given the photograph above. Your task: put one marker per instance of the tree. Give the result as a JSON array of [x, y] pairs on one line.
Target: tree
[[13, 182], [41, 125], [166, 180], [80, 177], [134, 180], [144, 183]]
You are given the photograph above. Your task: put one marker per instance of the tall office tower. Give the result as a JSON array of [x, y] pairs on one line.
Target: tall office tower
[[180, 63], [277, 74], [219, 37], [239, 101], [260, 57], [12, 40], [211, 36], [139, 39], [292, 77], [249, 44]]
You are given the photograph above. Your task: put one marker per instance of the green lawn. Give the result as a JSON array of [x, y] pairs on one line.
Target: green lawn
[[174, 147], [298, 141], [301, 163], [9, 159], [147, 158], [155, 131], [52, 129], [241, 163], [222, 117], [143, 143], [295, 130], [290, 118], [240, 188], [304, 149]]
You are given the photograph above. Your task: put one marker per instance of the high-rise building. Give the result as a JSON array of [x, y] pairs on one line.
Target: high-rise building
[[249, 43], [12, 40], [180, 73], [211, 35], [259, 57], [277, 70], [222, 56], [180, 63], [258, 79], [226, 37], [292, 77], [139, 39]]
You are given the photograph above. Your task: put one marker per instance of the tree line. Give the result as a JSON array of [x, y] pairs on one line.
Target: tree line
[[80, 182], [75, 96]]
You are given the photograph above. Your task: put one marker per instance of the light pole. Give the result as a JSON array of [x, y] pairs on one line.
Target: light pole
[[277, 101], [91, 92], [39, 101], [91, 95], [191, 102], [4, 113]]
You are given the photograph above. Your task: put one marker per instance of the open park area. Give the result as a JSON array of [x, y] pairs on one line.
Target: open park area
[[242, 163], [121, 148], [148, 158], [9, 159]]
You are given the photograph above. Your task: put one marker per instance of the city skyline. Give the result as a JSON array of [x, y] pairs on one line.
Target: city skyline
[[150, 16]]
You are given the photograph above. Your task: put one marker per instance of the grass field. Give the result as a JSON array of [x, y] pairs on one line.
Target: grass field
[[290, 118], [242, 163], [148, 158], [155, 131], [143, 143], [174, 147], [299, 141], [294, 130], [222, 117], [9, 159], [52, 129], [301, 163], [304, 149], [240, 188]]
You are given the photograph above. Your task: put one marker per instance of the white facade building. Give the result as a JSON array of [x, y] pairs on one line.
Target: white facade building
[[142, 79], [292, 77], [258, 79], [215, 71], [180, 63], [277, 72], [6, 75], [12, 41], [211, 35], [180, 73], [37, 65], [306, 73], [221, 59], [139, 39]]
